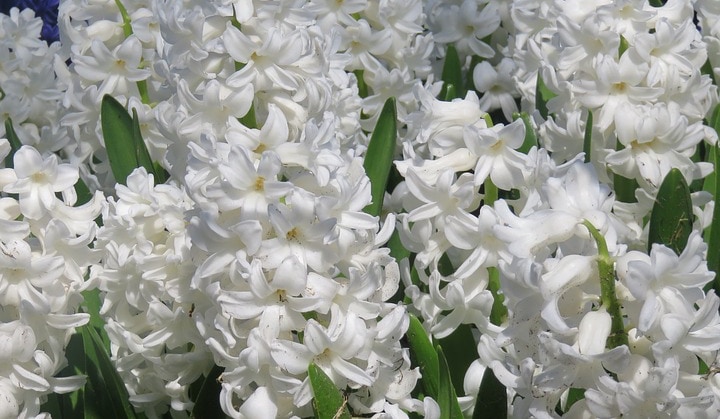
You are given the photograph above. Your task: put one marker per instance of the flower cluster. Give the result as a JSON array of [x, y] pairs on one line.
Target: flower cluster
[[256, 256], [627, 76], [45, 252], [254, 246]]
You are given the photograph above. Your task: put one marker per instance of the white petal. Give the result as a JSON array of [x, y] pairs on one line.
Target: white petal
[[593, 332], [351, 371], [259, 405]]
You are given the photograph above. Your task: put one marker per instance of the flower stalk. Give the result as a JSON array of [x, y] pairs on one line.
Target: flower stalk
[[608, 298]]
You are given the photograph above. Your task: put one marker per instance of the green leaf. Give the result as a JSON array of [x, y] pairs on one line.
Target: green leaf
[[715, 118], [143, 155], [624, 45], [450, 92], [452, 74], [124, 143], [530, 137], [424, 356], [574, 395], [68, 405], [671, 217], [397, 250], [491, 401], [91, 305], [83, 193], [624, 187], [713, 241], [109, 397], [470, 82], [207, 403], [447, 399], [445, 267], [707, 68], [460, 348], [362, 86], [14, 141], [328, 401], [117, 128], [542, 95], [587, 139], [379, 156], [249, 120]]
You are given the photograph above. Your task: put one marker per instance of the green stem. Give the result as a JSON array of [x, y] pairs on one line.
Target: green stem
[[488, 120], [499, 312], [491, 192], [608, 298], [143, 90], [127, 27]]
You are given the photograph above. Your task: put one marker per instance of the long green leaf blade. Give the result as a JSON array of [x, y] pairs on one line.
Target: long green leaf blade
[[671, 217], [142, 155], [447, 399], [452, 74], [530, 136], [328, 401], [624, 187], [117, 128], [68, 405], [207, 403], [423, 354], [587, 140], [379, 156], [14, 141], [491, 401], [712, 185], [542, 95], [460, 348], [110, 397], [91, 305], [713, 253]]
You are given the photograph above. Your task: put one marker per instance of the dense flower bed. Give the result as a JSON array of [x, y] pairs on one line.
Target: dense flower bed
[[373, 208]]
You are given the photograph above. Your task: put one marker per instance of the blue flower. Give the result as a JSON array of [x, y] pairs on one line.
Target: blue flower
[[45, 9]]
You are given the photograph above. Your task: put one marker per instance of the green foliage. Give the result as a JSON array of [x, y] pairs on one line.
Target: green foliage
[[328, 401], [624, 45], [447, 399], [125, 146], [452, 75], [424, 356], [530, 136], [104, 395], [460, 348], [379, 156], [362, 86], [587, 139], [492, 400], [542, 95], [249, 120], [207, 402], [671, 217], [712, 185], [624, 187], [91, 305], [14, 141]]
